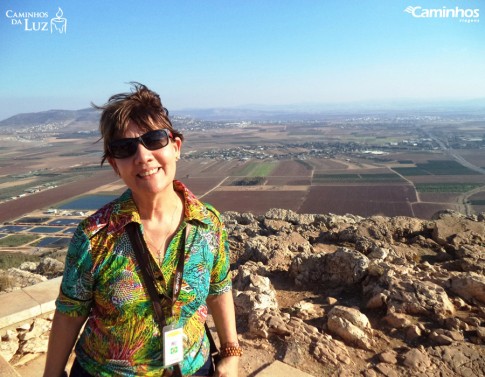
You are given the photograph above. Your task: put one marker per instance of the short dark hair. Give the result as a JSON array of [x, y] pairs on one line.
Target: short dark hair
[[141, 105]]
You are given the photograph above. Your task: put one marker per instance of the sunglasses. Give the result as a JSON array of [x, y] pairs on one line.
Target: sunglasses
[[152, 140]]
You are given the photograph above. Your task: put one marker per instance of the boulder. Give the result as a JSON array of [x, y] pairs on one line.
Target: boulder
[[350, 325], [343, 267], [458, 231], [469, 286], [50, 267], [252, 292]]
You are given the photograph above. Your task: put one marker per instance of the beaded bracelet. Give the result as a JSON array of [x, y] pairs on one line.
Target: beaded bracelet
[[230, 349]]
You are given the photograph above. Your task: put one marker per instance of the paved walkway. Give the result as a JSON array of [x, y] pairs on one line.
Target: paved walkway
[[24, 304]]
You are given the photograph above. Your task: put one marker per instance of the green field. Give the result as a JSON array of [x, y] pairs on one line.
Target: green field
[[360, 178], [447, 167], [258, 169], [17, 240]]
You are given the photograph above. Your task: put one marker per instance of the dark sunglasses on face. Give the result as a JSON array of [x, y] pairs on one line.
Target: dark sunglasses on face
[[152, 140]]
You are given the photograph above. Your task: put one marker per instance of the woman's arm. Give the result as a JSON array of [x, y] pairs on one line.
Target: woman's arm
[[222, 309], [64, 333]]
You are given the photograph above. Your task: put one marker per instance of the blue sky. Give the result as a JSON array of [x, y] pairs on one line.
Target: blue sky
[[217, 53]]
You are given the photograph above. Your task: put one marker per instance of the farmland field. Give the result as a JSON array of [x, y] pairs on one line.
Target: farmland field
[[249, 166], [363, 200], [445, 167], [257, 202], [357, 178], [471, 179], [427, 210], [446, 187], [303, 186], [474, 156], [439, 197], [292, 169], [257, 169]]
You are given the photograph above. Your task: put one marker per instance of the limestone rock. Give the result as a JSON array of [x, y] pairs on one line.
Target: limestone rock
[[460, 360], [351, 325], [253, 292], [469, 286], [307, 310], [397, 320], [389, 357], [403, 292], [417, 359], [289, 216], [343, 267], [419, 297], [9, 348], [29, 266], [21, 279], [266, 322], [50, 267], [458, 231]]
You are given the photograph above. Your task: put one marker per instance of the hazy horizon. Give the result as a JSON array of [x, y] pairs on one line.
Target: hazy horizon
[[315, 107]]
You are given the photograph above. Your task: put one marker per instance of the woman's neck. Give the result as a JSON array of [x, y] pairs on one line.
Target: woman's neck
[[160, 219], [157, 208]]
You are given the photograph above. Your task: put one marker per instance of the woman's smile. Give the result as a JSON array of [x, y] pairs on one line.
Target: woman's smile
[[148, 173]]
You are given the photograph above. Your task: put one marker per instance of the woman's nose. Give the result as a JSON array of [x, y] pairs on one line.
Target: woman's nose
[[142, 154]]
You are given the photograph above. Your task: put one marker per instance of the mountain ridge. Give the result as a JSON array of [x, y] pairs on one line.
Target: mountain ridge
[[299, 111]]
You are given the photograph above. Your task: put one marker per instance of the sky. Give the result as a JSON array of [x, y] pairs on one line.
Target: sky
[[65, 54]]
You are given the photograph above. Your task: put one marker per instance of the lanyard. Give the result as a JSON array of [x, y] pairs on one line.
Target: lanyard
[[179, 270], [142, 254]]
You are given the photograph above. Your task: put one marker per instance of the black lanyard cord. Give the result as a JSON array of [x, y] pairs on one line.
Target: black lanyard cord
[[142, 255]]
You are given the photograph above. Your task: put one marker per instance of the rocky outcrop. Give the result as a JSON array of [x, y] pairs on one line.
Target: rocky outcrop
[[406, 294], [16, 278], [350, 295], [30, 273]]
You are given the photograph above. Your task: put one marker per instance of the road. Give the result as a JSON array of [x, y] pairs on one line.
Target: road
[[450, 152]]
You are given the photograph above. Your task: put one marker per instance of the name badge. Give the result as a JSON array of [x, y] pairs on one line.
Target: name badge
[[173, 345]]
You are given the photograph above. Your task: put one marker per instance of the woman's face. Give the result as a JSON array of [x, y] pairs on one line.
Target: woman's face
[[147, 172]]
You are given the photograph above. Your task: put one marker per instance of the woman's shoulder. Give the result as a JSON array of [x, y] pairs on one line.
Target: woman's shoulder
[[104, 216], [213, 210], [213, 214]]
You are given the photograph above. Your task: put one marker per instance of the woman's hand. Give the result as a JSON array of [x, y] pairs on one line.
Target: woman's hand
[[227, 367]]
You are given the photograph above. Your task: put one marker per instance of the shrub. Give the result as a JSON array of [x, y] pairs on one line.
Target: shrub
[[6, 282], [9, 260]]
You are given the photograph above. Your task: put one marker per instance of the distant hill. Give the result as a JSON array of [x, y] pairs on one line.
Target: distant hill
[[65, 117], [86, 119]]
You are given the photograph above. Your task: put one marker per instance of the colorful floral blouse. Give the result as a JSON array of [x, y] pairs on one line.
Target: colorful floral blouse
[[103, 281]]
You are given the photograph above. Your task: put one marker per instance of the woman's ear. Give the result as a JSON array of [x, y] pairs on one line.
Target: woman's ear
[[112, 162], [177, 144]]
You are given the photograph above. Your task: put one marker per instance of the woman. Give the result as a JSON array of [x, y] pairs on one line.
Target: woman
[[103, 287]]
